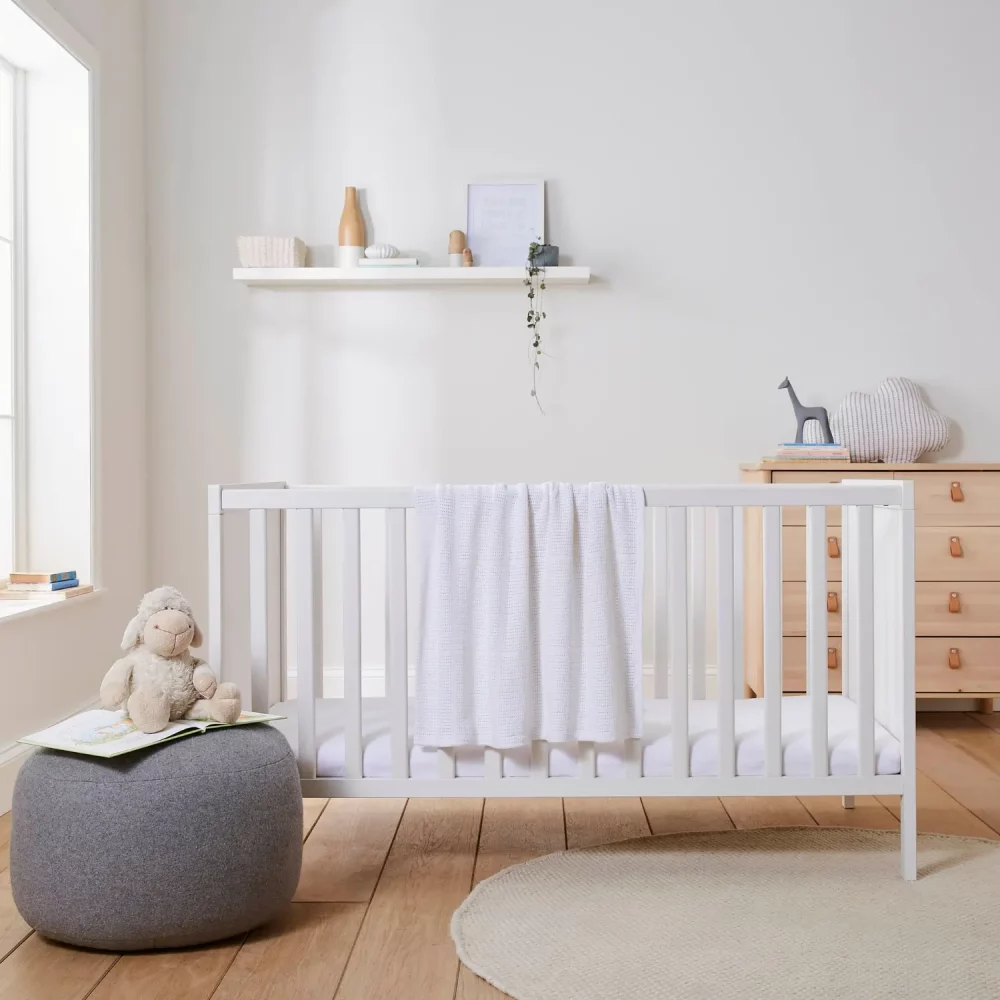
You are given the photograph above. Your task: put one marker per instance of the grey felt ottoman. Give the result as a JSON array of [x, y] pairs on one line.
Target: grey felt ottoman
[[192, 841]]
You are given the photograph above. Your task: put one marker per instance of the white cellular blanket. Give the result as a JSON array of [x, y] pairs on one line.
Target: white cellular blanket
[[531, 624]]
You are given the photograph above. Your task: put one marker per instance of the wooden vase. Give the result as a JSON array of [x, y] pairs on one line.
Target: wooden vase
[[351, 236]]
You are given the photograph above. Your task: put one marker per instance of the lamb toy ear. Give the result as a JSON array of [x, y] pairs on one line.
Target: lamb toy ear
[[133, 633], [197, 640]]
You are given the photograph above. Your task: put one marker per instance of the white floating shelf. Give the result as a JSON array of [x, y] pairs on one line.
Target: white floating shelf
[[320, 277]]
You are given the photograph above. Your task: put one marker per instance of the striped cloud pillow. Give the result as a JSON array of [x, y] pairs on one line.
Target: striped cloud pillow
[[893, 424]]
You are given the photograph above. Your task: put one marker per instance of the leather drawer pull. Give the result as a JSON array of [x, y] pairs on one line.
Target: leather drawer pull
[[956, 547], [955, 604], [954, 658], [832, 604], [833, 547], [957, 495], [831, 658]]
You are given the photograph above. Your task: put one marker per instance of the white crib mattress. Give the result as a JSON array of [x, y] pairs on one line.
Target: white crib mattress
[[657, 743]]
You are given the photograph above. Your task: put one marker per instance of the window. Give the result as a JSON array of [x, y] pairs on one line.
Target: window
[[10, 205]]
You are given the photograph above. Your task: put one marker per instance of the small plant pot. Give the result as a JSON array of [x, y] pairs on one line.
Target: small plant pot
[[547, 256]]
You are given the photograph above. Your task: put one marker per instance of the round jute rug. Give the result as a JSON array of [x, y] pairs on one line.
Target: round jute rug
[[778, 914]]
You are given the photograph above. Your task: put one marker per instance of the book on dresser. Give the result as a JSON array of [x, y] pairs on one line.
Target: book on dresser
[[957, 562]]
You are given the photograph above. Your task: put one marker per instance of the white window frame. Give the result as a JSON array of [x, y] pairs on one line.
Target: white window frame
[[19, 324]]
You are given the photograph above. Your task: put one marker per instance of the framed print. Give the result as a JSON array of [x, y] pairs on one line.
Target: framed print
[[502, 220]]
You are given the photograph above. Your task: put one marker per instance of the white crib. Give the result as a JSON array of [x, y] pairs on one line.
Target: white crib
[[858, 743]]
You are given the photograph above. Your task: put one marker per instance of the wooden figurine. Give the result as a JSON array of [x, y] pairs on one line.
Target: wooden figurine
[[466, 257], [351, 236], [456, 247], [804, 413]]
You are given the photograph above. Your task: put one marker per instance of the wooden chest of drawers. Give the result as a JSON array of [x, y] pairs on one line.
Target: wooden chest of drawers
[[957, 570]]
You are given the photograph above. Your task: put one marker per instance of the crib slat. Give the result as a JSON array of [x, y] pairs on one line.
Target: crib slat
[[661, 628], [395, 635], [699, 601], [678, 619], [259, 611], [633, 759], [726, 677], [306, 528], [586, 756], [816, 637], [446, 762], [739, 617], [493, 763], [539, 758], [772, 641], [352, 643], [863, 636]]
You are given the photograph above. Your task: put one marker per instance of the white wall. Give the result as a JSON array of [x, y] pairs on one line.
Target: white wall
[[762, 189], [54, 659]]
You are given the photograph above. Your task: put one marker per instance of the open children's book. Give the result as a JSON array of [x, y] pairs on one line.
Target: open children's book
[[100, 733]]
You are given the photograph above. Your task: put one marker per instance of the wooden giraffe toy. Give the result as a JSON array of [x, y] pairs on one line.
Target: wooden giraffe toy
[[804, 413]]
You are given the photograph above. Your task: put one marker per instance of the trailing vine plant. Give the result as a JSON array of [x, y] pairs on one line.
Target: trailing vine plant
[[534, 279]]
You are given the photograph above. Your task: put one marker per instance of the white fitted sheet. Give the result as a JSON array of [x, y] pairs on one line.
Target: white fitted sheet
[[657, 750]]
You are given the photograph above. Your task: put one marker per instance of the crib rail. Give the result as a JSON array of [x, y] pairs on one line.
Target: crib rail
[[697, 601]]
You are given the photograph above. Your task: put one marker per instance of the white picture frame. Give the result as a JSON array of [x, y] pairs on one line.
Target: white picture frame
[[502, 219]]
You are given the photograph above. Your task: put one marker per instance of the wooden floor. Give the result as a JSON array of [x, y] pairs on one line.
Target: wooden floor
[[381, 878]]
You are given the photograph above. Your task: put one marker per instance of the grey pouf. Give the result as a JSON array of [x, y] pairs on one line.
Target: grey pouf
[[189, 842]]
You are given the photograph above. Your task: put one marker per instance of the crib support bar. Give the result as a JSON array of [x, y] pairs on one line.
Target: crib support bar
[[861, 613], [306, 528], [661, 636], [539, 759], [677, 622], [772, 641], [493, 763], [817, 637], [699, 601], [259, 611], [726, 677], [396, 640], [352, 642]]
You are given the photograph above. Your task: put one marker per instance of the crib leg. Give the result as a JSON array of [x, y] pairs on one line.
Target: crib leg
[[908, 836], [847, 801]]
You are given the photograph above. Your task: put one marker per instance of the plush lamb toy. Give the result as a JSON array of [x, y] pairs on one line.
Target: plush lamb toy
[[158, 680]]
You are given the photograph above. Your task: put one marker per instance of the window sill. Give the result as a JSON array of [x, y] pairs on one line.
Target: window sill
[[23, 609]]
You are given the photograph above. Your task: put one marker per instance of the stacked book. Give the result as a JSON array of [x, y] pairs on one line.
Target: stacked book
[[43, 586], [811, 453]]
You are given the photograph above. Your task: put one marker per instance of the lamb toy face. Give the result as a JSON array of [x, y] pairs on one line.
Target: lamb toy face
[[158, 680]]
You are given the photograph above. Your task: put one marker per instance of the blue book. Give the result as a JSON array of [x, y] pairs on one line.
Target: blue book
[[36, 588]]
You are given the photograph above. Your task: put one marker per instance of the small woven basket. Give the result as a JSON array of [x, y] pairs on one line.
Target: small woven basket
[[271, 251]]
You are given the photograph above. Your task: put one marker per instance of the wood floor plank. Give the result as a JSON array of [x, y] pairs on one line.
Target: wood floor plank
[[404, 948], [938, 812], [42, 970], [981, 742], [13, 929], [516, 830], [590, 822], [5, 841], [751, 813], [299, 956], [183, 974], [694, 814], [868, 813], [345, 852], [312, 809], [513, 830], [991, 719], [964, 778]]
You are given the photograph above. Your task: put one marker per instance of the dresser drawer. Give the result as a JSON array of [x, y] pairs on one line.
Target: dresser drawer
[[797, 515], [955, 499], [958, 553], [978, 667], [793, 553], [793, 609], [793, 665], [958, 608]]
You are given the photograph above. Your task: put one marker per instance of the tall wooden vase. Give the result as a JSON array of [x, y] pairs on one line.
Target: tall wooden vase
[[351, 239]]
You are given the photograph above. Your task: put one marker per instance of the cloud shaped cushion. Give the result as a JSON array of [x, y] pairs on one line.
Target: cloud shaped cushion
[[893, 424]]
